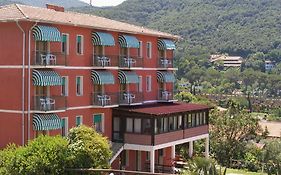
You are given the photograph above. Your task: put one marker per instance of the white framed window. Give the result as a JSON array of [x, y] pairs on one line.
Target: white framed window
[[79, 120], [137, 125], [148, 49], [64, 86], [98, 122], [64, 128], [65, 43], [129, 126], [140, 84], [148, 83], [79, 44], [140, 49], [79, 85]]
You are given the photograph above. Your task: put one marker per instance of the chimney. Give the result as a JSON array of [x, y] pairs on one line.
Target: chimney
[[55, 7]]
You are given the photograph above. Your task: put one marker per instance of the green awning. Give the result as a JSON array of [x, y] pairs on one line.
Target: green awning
[[102, 77], [165, 77], [127, 77], [102, 39], [127, 41], [46, 78], [43, 122], [97, 118], [166, 44], [46, 33]]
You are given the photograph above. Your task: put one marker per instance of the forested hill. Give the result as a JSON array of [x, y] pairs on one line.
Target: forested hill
[[233, 26], [42, 3]]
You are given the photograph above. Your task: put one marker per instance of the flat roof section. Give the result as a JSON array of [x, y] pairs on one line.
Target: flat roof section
[[160, 109]]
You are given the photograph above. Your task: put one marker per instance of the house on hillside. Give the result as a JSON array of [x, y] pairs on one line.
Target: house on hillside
[[274, 128], [227, 61], [62, 69], [268, 65]]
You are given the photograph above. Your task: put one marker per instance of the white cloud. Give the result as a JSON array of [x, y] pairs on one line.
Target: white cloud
[[102, 3]]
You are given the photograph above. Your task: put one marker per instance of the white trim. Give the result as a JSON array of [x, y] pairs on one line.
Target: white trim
[[116, 155], [79, 107], [128, 146]]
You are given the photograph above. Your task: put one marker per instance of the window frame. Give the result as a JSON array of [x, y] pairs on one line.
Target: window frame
[[80, 93], [65, 86], [140, 50], [66, 52], [81, 120], [81, 50], [102, 121], [148, 83], [65, 128], [149, 50]]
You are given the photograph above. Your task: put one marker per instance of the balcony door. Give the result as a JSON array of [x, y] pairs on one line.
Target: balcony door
[[43, 91], [99, 50], [42, 46], [98, 89], [124, 52], [119, 126]]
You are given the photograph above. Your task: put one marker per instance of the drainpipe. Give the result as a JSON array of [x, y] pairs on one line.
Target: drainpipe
[[29, 79], [23, 76]]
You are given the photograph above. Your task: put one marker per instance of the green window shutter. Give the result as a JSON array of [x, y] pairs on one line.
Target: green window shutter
[[79, 38], [63, 123], [78, 121], [78, 80], [97, 118], [63, 81], [64, 38]]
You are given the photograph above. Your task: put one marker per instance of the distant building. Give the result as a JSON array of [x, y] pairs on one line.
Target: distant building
[[228, 61], [269, 65], [274, 128]]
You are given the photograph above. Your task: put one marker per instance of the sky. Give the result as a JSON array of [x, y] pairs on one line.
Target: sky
[[102, 3]]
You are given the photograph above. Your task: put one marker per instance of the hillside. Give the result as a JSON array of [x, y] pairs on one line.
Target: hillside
[[42, 3], [238, 27]]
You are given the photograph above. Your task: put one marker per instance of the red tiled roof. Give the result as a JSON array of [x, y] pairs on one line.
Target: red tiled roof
[[44, 15], [165, 108]]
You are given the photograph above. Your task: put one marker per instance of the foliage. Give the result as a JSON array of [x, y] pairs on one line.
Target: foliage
[[47, 155], [88, 149], [84, 148], [230, 132], [272, 156], [201, 165]]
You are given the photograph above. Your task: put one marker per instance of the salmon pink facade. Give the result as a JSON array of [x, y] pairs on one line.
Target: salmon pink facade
[[60, 70]]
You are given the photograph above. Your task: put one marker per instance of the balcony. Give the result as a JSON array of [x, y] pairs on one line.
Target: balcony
[[48, 59], [105, 61], [166, 95], [130, 62], [105, 99], [130, 98], [50, 103], [165, 63]]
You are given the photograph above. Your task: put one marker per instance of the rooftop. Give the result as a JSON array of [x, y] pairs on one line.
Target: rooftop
[[17, 12], [165, 108]]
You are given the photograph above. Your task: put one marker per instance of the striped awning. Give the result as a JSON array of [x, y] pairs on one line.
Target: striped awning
[[102, 39], [102, 77], [46, 33], [165, 77], [166, 44], [46, 78], [127, 77], [43, 122], [127, 41]]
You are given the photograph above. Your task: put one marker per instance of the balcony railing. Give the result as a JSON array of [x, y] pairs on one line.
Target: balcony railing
[[50, 103], [105, 61], [48, 59], [165, 63], [128, 98], [105, 99], [130, 62], [166, 95]]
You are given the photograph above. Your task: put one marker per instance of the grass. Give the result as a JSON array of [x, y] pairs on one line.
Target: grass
[[242, 172]]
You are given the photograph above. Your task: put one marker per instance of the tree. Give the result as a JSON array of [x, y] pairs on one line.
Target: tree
[[45, 154], [272, 156], [230, 132], [88, 149]]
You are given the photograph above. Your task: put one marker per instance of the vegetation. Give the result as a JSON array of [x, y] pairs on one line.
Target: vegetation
[[84, 148]]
